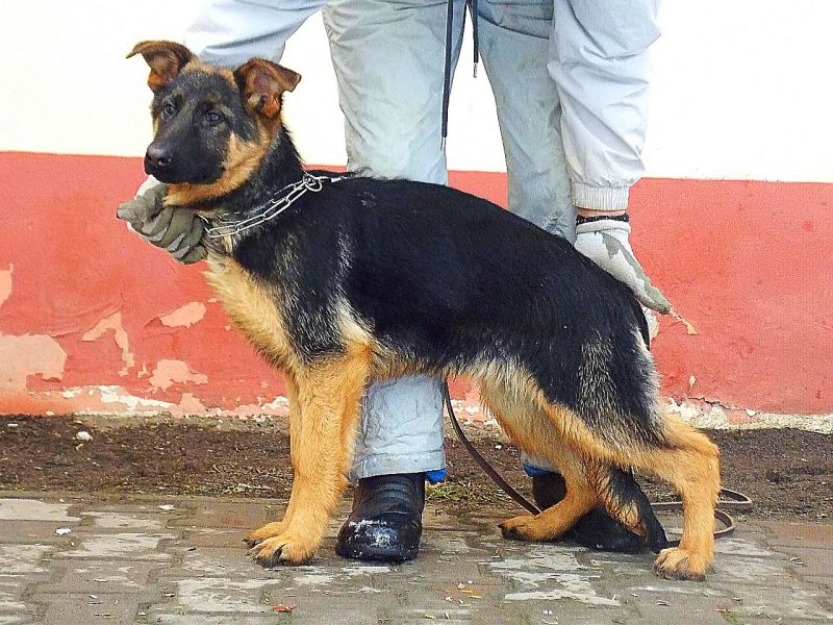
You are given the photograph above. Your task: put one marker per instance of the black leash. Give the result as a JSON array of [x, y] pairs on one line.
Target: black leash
[[488, 469], [728, 498]]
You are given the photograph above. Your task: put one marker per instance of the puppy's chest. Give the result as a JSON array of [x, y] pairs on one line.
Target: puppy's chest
[[253, 306]]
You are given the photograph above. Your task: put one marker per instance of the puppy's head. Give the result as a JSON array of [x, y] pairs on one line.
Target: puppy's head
[[212, 126]]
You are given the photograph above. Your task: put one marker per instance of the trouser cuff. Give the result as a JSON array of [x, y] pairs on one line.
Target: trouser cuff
[[395, 464], [600, 198]]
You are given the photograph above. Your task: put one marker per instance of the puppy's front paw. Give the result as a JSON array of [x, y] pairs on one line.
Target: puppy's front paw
[[287, 548], [678, 563], [269, 530]]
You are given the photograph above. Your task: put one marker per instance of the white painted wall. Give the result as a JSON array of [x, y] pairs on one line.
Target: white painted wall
[[742, 87]]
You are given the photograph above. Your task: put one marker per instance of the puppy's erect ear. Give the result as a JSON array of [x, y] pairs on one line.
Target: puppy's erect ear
[[262, 82], [165, 58]]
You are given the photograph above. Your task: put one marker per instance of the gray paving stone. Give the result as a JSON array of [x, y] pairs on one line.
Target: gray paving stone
[[34, 510], [811, 562], [101, 577], [799, 534], [338, 610], [213, 537], [789, 603], [158, 618], [436, 519], [738, 546], [41, 532], [550, 573], [12, 607], [13, 587], [459, 543], [682, 609], [232, 514], [24, 559], [745, 570], [825, 582], [217, 595], [653, 589], [87, 610], [187, 566], [124, 545], [125, 520], [13, 610], [213, 562], [12, 616], [619, 566]]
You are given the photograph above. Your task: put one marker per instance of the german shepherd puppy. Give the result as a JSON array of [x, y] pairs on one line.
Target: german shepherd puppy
[[337, 281]]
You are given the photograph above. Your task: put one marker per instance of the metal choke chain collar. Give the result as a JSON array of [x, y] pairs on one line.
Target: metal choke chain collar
[[273, 207]]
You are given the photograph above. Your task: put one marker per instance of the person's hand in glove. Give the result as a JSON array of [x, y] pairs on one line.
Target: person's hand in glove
[[605, 241], [178, 231]]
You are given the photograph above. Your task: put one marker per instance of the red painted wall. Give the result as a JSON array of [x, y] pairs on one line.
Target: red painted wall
[[748, 263]]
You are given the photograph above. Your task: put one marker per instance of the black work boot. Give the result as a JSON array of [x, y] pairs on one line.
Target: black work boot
[[386, 522], [596, 529]]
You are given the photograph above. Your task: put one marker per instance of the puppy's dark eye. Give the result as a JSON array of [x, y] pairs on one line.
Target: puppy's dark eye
[[212, 118], [168, 110]]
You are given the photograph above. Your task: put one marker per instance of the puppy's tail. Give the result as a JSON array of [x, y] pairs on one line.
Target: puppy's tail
[[624, 500], [617, 390]]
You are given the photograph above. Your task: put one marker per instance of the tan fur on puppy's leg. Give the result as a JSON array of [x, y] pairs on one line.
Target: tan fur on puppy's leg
[[329, 397], [694, 470], [578, 500], [554, 521], [277, 527]]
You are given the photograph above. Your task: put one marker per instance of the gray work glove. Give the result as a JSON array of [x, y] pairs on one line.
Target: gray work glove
[[606, 243], [179, 231]]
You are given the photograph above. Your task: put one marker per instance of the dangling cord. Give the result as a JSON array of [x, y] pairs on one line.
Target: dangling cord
[[475, 33], [449, 29]]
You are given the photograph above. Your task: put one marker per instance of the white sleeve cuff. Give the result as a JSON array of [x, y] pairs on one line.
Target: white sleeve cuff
[[600, 198]]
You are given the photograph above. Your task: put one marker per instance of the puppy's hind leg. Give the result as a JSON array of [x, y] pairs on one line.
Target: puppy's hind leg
[[692, 465], [529, 429], [683, 457]]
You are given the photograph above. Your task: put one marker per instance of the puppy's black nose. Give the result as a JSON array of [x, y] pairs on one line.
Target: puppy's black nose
[[158, 157]]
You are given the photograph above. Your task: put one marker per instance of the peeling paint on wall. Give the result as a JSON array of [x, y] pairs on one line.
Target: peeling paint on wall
[[22, 356], [116, 395], [28, 354], [5, 284], [113, 322], [279, 407], [189, 404], [170, 372], [185, 316], [111, 400]]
